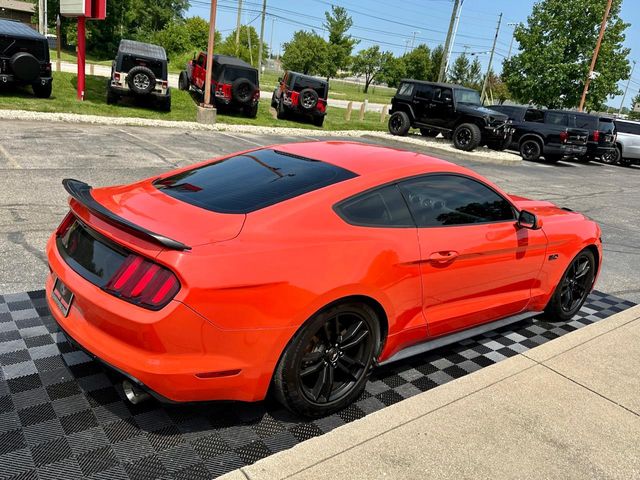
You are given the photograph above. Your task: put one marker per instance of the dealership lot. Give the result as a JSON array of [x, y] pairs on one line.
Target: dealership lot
[[35, 157]]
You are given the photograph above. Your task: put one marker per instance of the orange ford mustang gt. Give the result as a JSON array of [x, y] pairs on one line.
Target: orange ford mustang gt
[[297, 268]]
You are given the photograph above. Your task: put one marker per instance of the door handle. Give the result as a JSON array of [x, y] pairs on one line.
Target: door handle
[[445, 256]]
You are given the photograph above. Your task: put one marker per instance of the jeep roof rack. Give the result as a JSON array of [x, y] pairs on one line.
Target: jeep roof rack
[[140, 49], [19, 30]]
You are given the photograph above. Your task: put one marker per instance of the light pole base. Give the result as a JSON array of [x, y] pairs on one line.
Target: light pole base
[[206, 114]]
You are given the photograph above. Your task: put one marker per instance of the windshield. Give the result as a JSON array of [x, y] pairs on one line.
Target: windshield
[[470, 97]]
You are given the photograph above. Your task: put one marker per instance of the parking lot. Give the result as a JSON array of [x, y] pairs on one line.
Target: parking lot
[[35, 157]]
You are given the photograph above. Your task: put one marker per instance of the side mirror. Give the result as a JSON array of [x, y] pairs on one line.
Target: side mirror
[[529, 220]]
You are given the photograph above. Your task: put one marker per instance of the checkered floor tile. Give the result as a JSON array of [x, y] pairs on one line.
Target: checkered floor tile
[[62, 416]]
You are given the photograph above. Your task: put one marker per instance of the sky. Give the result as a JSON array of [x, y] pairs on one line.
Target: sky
[[397, 25]]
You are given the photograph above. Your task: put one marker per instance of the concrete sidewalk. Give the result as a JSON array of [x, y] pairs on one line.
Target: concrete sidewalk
[[569, 409]]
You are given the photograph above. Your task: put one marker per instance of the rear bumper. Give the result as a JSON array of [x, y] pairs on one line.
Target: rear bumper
[[596, 150], [173, 352], [565, 149], [7, 78], [125, 91]]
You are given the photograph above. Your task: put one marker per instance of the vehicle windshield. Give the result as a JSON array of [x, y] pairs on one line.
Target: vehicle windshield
[[231, 74], [469, 97]]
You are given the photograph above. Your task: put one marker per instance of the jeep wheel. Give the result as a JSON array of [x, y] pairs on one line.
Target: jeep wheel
[[274, 101], [318, 121], [308, 99], [42, 90], [281, 113], [112, 97], [426, 132], [183, 81], [165, 103], [250, 111], [611, 157], [242, 90], [530, 150], [467, 137], [141, 80], [399, 124]]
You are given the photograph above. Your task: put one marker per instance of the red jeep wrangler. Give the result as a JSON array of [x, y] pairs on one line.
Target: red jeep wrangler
[[234, 83], [301, 95]]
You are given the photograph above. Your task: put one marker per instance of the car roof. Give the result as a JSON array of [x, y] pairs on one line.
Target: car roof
[[438, 84], [140, 49], [19, 30], [229, 60], [368, 159], [291, 72]]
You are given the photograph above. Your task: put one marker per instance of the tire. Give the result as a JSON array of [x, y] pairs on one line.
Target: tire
[[165, 103], [25, 67], [530, 150], [242, 90], [281, 113], [326, 365], [42, 91], [318, 120], [250, 111], [611, 157], [112, 97], [308, 99], [183, 81], [625, 162], [274, 101], [425, 132], [553, 158], [399, 124], [467, 137], [569, 296], [141, 80]]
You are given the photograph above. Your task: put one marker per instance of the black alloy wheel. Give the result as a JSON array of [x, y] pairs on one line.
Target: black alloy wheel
[[399, 124], [530, 150], [326, 365], [573, 289], [611, 157], [467, 137]]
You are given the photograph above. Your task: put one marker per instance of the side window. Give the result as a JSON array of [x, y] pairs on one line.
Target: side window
[[443, 200], [382, 207], [405, 89], [201, 62], [534, 116], [424, 91], [556, 118]]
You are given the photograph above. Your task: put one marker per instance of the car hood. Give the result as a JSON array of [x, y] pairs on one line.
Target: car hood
[[482, 111], [144, 205]]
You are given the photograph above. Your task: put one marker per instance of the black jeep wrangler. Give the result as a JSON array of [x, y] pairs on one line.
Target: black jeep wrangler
[[24, 58], [302, 95], [140, 71], [234, 82], [453, 110]]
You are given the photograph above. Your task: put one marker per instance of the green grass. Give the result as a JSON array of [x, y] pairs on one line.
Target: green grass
[[183, 106]]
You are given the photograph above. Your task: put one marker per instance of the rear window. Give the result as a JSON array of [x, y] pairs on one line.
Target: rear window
[[319, 86], [231, 74], [10, 46], [251, 181], [128, 62], [607, 125]]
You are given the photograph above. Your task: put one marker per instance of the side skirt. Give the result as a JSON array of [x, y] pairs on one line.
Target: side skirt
[[456, 337]]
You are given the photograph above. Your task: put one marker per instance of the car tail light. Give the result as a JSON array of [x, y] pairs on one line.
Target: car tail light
[[65, 225], [143, 283], [256, 96], [294, 98], [165, 84], [116, 76], [47, 67], [322, 107], [564, 136], [596, 135]]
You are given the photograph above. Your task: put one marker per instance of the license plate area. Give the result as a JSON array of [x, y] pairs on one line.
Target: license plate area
[[62, 296]]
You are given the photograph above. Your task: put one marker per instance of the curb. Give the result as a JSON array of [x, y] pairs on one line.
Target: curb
[[411, 142]]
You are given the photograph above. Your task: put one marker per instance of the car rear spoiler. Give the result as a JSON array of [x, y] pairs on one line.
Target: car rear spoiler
[[81, 192]]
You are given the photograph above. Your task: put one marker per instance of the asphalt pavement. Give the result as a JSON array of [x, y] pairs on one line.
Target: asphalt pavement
[[35, 157]]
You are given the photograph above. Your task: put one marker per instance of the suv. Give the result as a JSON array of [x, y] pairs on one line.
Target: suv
[[140, 70], [551, 134], [24, 58], [627, 143], [303, 95], [234, 82], [452, 110], [602, 136]]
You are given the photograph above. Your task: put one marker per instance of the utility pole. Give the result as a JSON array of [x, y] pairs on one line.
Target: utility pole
[[626, 89], [447, 44], [212, 36], [273, 26], [406, 45], [413, 39], [264, 13], [45, 18], [40, 15], [238, 21], [493, 51], [603, 27], [513, 36]]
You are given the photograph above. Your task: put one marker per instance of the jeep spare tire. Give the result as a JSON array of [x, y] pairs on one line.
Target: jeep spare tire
[[141, 80], [308, 99], [242, 90], [25, 66]]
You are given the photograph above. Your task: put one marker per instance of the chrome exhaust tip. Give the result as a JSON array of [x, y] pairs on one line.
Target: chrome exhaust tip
[[134, 393]]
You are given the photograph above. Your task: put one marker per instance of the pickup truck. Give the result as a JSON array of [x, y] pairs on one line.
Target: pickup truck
[[550, 134]]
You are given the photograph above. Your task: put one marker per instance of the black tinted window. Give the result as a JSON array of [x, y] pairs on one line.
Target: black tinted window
[[534, 116], [318, 85], [440, 200], [554, 118], [383, 207], [248, 182], [424, 91], [586, 121], [628, 127], [405, 89], [606, 125], [231, 74]]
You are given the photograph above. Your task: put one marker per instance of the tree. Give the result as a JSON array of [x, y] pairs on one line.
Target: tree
[[340, 44], [435, 60], [305, 53], [475, 77], [248, 37], [635, 103], [418, 63], [460, 70], [394, 71], [370, 63], [556, 46], [497, 90]]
